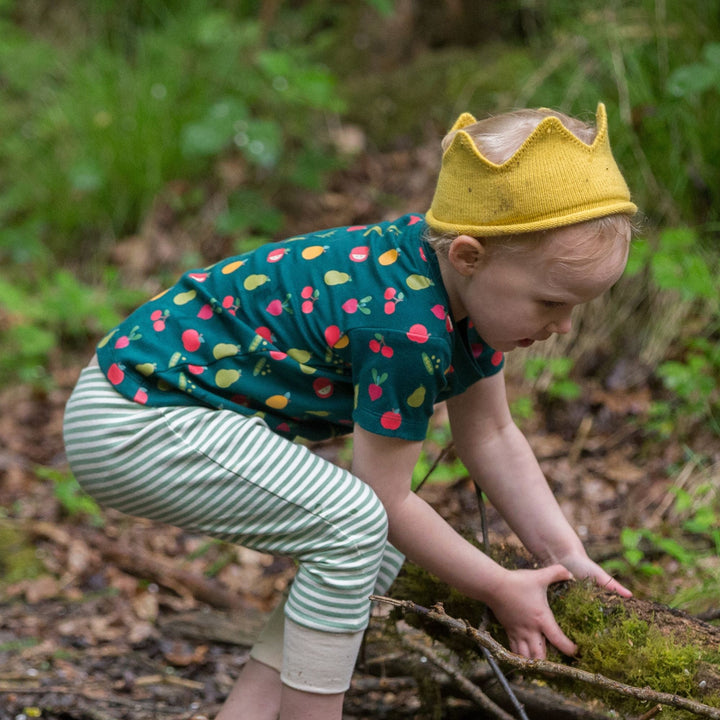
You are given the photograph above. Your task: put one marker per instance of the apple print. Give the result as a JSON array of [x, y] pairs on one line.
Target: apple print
[[476, 349], [141, 396], [277, 355], [355, 228], [275, 308], [264, 332], [115, 374], [418, 333], [206, 312], [196, 369], [391, 420], [360, 254], [496, 359], [332, 334], [277, 254], [323, 387], [191, 340], [438, 311], [198, 277], [413, 220]]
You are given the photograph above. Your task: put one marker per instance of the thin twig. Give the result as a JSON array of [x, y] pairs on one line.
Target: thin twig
[[504, 684], [469, 688], [546, 667], [441, 456]]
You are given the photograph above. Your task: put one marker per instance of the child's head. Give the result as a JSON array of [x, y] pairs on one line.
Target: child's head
[[533, 197], [532, 213]]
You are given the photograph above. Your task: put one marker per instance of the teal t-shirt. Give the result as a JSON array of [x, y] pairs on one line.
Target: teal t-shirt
[[313, 334]]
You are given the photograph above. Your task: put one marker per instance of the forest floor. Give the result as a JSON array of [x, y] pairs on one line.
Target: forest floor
[[103, 616]]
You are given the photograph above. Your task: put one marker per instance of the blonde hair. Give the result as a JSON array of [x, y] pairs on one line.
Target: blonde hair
[[498, 138]]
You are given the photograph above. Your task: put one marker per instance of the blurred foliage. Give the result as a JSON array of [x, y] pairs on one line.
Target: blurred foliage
[[104, 105]]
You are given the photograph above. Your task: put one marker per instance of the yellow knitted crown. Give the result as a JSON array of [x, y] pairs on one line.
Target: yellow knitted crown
[[553, 179]]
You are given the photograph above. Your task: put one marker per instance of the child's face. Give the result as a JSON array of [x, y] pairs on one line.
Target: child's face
[[517, 298]]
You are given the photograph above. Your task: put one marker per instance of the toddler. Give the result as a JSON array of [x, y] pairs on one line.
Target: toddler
[[194, 409]]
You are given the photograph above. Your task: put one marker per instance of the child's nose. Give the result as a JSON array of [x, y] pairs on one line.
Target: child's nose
[[561, 326]]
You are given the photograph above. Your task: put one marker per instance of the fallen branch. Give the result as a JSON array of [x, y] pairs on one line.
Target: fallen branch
[[467, 687], [548, 668], [136, 561]]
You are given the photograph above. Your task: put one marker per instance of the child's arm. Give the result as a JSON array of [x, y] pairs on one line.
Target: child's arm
[[518, 598], [499, 458]]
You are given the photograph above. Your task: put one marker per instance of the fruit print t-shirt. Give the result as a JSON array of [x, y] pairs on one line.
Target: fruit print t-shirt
[[313, 334]]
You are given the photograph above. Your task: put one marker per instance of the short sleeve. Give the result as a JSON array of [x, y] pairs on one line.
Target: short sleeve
[[397, 377]]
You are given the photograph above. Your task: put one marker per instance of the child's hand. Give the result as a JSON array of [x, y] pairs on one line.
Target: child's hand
[[582, 567], [520, 604]]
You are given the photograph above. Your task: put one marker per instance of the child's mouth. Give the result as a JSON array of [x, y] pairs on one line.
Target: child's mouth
[[525, 342]]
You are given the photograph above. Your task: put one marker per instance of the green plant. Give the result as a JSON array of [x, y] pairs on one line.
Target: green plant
[[46, 314], [433, 465], [677, 265], [688, 545], [70, 495], [553, 376], [94, 128]]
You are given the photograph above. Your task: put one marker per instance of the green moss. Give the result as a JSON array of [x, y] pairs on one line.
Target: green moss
[[18, 556], [612, 640], [620, 645]]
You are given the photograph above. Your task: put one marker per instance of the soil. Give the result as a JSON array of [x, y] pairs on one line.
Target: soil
[[104, 616]]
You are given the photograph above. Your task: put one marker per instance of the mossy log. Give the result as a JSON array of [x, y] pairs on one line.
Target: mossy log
[[633, 654]]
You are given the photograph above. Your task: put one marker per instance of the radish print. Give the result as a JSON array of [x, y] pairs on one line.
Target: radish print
[[354, 305], [277, 307], [374, 389]]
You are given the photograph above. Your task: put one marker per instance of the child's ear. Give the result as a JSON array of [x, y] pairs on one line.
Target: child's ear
[[466, 254]]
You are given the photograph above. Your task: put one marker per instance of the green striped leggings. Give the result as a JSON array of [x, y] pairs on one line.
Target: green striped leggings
[[221, 474]]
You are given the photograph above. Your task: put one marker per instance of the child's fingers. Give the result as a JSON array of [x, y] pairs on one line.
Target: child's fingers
[[614, 586], [559, 639], [555, 573]]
